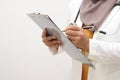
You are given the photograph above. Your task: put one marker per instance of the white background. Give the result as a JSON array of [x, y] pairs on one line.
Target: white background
[[23, 56]]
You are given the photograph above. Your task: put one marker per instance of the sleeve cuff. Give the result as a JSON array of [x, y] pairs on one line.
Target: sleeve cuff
[[56, 51]]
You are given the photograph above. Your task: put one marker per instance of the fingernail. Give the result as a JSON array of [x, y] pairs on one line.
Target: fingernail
[[54, 37], [59, 41]]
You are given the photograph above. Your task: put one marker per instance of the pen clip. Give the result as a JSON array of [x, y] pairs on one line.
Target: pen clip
[[72, 24], [103, 32]]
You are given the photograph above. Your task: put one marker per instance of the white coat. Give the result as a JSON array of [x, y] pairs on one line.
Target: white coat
[[104, 48]]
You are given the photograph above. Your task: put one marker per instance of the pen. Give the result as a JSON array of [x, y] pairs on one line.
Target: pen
[[71, 24], [74, 22], [89, 27]]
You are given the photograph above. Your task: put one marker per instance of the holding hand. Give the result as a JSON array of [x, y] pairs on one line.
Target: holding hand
[[77, 37], [50, 41]]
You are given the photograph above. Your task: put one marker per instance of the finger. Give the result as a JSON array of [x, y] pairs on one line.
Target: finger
[[44, 33], [75, 28], [72, 33], [51, 38], [55, 43], [72, 38], [48, 40], [58, 45]]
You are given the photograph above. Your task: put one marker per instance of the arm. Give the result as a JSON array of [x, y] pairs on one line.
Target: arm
[[104, 52], [100, 51]]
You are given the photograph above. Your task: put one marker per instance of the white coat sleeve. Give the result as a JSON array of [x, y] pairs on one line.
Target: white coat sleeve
[[104, 52], [56, 51]]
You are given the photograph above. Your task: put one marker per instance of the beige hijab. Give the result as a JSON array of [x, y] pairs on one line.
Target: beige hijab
[[93, 12]]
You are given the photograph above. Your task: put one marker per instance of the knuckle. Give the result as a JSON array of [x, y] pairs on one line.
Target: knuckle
[[43, 40], [76, 42], [79, 38]]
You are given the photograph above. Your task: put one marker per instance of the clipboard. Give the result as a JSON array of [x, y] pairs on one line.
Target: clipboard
[[44, 21]]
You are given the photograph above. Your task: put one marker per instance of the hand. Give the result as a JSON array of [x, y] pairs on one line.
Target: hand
[[77, 37], [50, 41]]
